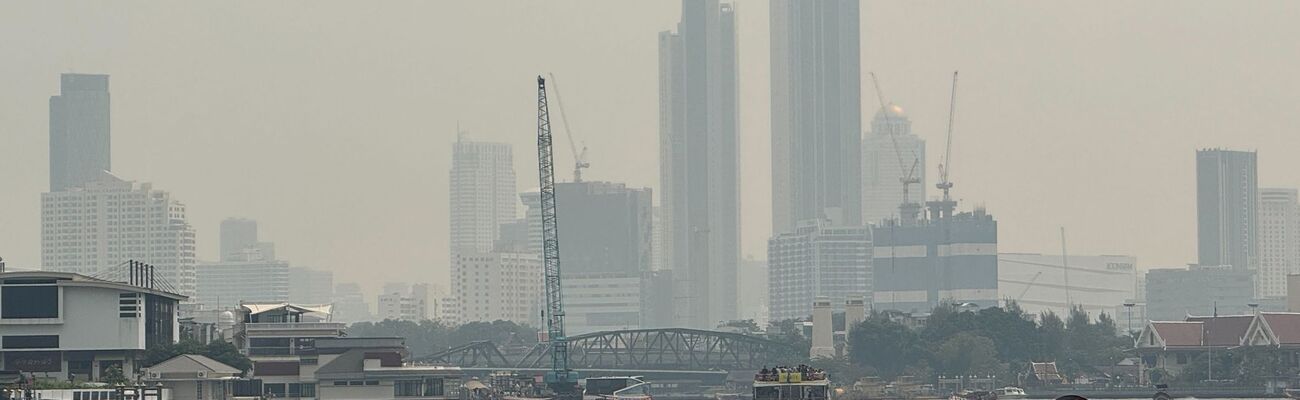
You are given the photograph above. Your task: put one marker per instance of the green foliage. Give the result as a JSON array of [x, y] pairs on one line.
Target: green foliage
[[221, 351], [790, 331], [428, 337], [998, 340], [114, 376]]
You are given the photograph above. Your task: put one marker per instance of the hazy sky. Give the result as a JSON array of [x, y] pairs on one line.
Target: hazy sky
[[330, 122]]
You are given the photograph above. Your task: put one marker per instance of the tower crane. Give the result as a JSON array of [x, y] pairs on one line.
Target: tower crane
[[579, 158], [944, 207], [561, 379], [907, 210]]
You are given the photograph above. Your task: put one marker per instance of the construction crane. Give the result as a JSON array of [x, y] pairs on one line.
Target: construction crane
[[907, 210], [944, 207], [561, 379], [579, 157], [1028, 286]]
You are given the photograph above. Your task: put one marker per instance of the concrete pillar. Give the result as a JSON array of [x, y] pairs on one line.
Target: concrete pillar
[[823, 340], [855, 311]]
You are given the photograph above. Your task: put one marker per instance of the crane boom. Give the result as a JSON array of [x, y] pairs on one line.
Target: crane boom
[[561, 379], [907, 210], [944, 207], [579, 158]]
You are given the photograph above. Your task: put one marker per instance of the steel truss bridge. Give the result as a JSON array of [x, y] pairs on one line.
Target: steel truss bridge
[[670, 349]]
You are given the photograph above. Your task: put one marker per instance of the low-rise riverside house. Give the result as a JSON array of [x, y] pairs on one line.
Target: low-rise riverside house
[[1172, 345], [280, 339], [193, 377], [376, 368], [66, 326]]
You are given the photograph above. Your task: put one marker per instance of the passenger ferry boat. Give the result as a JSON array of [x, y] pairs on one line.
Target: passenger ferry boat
[[801, 383]]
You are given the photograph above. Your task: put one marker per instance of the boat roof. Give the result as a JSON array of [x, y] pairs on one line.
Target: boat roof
[[820, 382]]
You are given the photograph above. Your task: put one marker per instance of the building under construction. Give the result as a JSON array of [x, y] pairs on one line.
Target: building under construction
[[945, 259]]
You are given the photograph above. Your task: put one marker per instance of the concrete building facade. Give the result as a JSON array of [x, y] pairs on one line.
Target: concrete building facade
[[1227, 200], [103, 223], [699, 162], [816, 112], [1279, 241], [916, 267], [882, 173], [494, 286], [310, 286], [1046, 282], [482, 193], [817, 260], [404, 302], [79, 131], [224, 285], [1175, 293]]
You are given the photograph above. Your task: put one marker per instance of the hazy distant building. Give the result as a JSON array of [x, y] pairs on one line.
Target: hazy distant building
[[237, 235], [1227, 195], [79, 131], [404, 302], [482, 193], [310, 286], [882, 173], [1279, 241], [494, 286], [223, 285], [350, 305], [699, 162], [817, 260], [106, 222], [1042, 282], [916, 267], [607, 236], [752, 276], [816, 112], [1175, 293]]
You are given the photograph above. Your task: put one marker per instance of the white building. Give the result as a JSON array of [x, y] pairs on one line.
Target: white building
[[1279, 241], [404, 302], [601, 302], [817, 260], [1042, 282], [494, 286], [56, 323], [882, 187], [108, 221], [482, 193], [350, 305], [224, 285]]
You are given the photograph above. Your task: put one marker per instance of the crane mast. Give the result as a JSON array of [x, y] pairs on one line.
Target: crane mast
[[907, 210], [945, 207], [562, 380]]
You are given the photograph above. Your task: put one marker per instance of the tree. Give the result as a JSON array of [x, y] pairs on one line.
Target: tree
[[114, 376], [223, 352], [968, 354], [884, 345]]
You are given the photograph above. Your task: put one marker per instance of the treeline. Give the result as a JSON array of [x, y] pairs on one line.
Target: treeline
[[428, 337], [998, 341]]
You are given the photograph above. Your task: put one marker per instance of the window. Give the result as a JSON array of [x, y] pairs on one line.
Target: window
[[372, 383], [198, 390], [340, 383], [307, 390], [273, 389], [29, 301], [406, 388], [31, 342]]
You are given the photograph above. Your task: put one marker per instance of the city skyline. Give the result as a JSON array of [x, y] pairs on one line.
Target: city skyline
[[215, 141]]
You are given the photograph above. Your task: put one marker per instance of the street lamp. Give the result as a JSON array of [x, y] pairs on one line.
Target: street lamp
[[1129, 307], [1254, 308]]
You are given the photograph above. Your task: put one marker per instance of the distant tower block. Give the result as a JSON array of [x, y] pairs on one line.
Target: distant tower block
[[823, 341], [855, 311]]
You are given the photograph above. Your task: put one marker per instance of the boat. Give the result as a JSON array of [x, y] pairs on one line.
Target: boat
[[616, 388], [1010, 392], [801, 383]]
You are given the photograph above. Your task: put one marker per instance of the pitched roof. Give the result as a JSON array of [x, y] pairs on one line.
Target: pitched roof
[[1178, 333], [188, 363], [1285, 326], [1224, 330], [258, 308]]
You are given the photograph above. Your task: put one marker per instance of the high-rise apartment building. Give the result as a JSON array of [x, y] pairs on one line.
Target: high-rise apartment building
[[1279, 241], [483, 193], [224, 285], [890, 152], [921, 264], [699, 162], [497, 285], [79, 131], [816, 113], [404, 302], [237, 235], [1227, 196], [310, 286], [350, 305], [103, 223], [817, 260]]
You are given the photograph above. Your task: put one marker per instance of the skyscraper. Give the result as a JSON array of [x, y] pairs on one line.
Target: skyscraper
[[100, 224], [1279, 241], [699, 161], [817, 260], [1227, 194], [918, 265], [883, 167], [483, 193], [816, 114], [79, 131], [237, 235]]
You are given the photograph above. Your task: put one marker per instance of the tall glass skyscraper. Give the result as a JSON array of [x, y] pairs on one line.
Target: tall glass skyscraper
[[1227, 198], [699, 162], [79, 131], [816, 113]]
